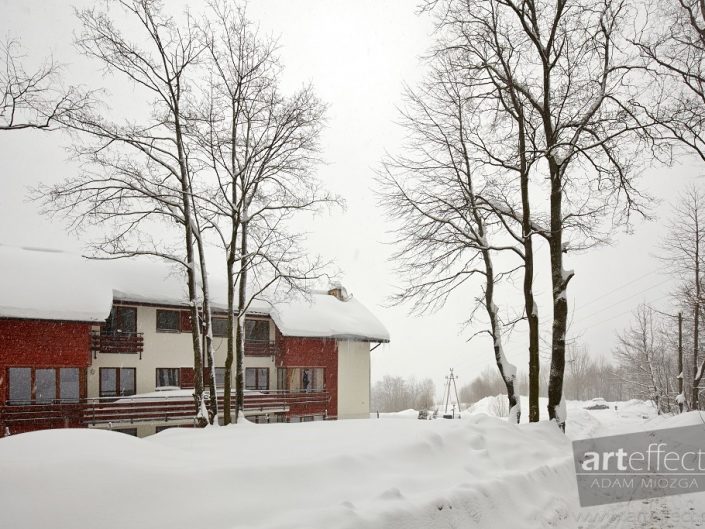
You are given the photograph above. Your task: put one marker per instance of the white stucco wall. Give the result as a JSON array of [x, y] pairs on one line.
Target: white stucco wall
[[165, 349], [353, 379]]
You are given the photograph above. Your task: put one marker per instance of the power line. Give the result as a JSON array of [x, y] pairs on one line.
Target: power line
[[625, 299], [580, 331], [625, 285]]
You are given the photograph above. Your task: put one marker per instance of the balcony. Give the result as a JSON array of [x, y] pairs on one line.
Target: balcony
[[116, 343], [173, 406], [260, 348]]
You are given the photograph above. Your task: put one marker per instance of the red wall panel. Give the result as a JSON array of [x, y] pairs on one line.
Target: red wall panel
[[42, 343], [312, 352]]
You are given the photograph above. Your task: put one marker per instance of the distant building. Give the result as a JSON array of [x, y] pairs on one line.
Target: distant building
[[108, 345]]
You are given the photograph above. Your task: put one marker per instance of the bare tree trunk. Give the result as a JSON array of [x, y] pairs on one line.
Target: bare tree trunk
[[696, 317], [560, 302], [529, 303], [208, 334], [227, 385], [680, 362], [189, 224], [506, 370], [230, 265], [240, 331]]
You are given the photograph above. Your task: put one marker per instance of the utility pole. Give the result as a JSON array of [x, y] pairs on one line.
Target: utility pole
[[681, 400], [450, 381]]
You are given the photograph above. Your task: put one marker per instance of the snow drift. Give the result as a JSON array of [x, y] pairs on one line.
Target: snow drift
[[347, 474]]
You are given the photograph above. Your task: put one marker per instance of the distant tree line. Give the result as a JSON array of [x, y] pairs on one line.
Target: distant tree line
[[393, 394], [587, 377]]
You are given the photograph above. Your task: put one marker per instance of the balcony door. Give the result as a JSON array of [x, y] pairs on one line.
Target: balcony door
[[122, 320]]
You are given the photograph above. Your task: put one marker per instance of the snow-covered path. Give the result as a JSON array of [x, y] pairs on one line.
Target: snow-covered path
[[673, 512]]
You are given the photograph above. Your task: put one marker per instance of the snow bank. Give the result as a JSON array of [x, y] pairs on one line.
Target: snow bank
[[619, 417], [405, 414], [690, 418], [476, 473]]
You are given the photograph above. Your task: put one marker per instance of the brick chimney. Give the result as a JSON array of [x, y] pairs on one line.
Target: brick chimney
[[339, 292]]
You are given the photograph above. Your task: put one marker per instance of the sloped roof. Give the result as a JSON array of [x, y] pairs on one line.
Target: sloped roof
[[54, 285]]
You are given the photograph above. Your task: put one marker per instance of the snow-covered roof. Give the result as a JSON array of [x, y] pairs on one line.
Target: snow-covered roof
[[159, 283], [46, 284], [54, 285], [324, 315]]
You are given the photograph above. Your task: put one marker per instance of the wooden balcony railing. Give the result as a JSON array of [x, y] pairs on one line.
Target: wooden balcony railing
[[116, 343], [260, 348], [170, 407]]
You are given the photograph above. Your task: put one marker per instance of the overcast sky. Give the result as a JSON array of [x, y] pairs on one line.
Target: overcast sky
[[358, 55]]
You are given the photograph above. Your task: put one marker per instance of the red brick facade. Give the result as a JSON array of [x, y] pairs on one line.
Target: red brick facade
[[312, 352], [42, 343]]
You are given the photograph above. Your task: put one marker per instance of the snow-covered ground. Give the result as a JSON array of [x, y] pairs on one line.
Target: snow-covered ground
[[478, 472]]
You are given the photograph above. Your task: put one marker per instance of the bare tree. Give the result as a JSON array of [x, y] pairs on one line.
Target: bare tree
[[570, 66], [424, 393], [34, 99], [683, 254], [392, 394], [487, 384], [261, 147], [139, 174], [437, 192], [647, 365], [578, 370], [672, 42]]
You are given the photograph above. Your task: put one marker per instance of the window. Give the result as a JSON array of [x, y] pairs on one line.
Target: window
[[257, 330], [168, 320], [219, 327], [167, 377], [281, 379], [117, 381], [43, 384], [69, 384], [220, 377], [20, 380], [257, 378], [122, 320]]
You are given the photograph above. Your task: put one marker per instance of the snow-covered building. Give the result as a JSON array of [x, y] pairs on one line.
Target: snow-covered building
[[109, 345]]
